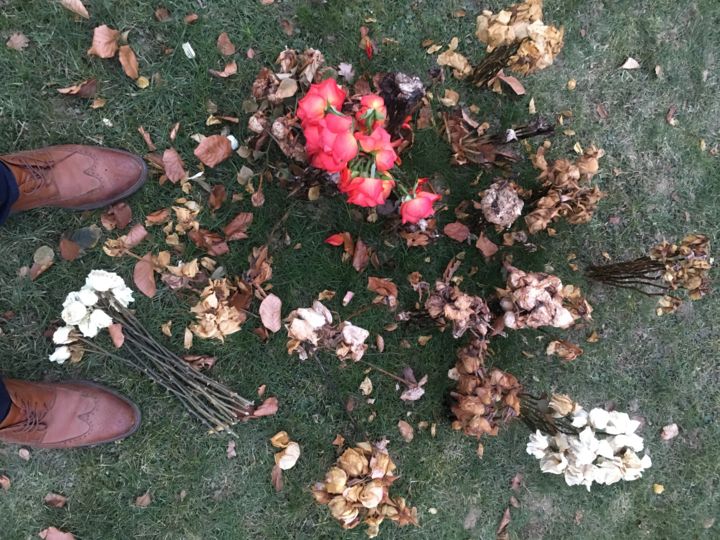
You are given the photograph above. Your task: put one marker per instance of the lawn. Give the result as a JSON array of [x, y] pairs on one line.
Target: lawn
[[661, 183]]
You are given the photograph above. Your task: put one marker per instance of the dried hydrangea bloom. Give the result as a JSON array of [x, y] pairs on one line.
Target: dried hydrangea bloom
[[357, 490], [534, 299], [448, 304], [216, 313], [521, 24], [500, 203]]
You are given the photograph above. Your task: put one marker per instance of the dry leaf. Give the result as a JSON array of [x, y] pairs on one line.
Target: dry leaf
[[118, 216], [162, 14], [69, 250], [504, 522], [277, 479], [51, 533], [24, 454], [17, 41], [288, 88], [144, 500], [513, 82], [366, 386], [229, 69], [76, 6], [218, 196], [630, 63], [670, 116], [669, 432], [146, 137], [187, 339], [116, 334], [104, 43], [288, 457], [658, 489], [406, 430], [451, 98], [486, 246], [213, 150], [457, 231], [237, 228], [129, 62], [231, 452], [191, 18], [200, 362], [144, 276], [224, 45], [43, 258], [564, 349], [270, 313], [280, 440], [5, 482], [266, 408], [361, 257], [55, 500], [174, 166], [85, 89]]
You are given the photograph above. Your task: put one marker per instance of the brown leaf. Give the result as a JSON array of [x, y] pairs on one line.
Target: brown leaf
[[213, 150], [237, 228], [162, 14], [564, 349], [231, 452], [119, 216], [361, 257], [43, 258], [277, 478], [406, 430], [116, 333], [669, 432], [601, 111], [212, 242], [174, 166], [670, 116], [270, 309], [76, 6], [512, 82], [258, 198], [229, 69], [157, 217], [486, 246], [129, 62], [516, 482], [135, 235], [55, 500], [146, 137], [218, 195], [17, 41], [201, 362], [51, 533], [144, 500], [287, 27], [382, 286], [144, 276], [457, 231], [504, 522], [5, 482], [224, 45], [85, 89], [104, 42], [69, 250], [191, 18], [266, 408]]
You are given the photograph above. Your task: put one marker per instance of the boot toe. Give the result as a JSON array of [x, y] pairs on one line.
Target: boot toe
[[123, 174]]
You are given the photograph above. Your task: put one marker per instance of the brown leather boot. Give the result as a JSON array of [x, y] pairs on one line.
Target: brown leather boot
[[74, 176], [66, 415]]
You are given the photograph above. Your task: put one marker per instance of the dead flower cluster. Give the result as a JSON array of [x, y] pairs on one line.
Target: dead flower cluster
[[310, 329], [484, 398], [357, 490], [221, 309], [501, 204], [686, 264], [535, 299], [521, 24], [447, 304], [568, 195]]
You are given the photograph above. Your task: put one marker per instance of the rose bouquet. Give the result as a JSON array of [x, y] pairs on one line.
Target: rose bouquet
[[103, 303]]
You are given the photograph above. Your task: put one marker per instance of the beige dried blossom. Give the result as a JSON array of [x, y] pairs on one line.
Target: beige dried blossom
[[216, 313], [447, 304], [500, 203]]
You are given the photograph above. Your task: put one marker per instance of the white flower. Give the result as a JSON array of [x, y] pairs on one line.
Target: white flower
[[62, 335], [60, 355], [101, 281], [87, 329], [605, 450], [92, 324], [87, 297], [584, 447], [580, 475], [634, 466], [608, 471], [312, 317], [580, 418], [354, 335], [561, 441], [124, 295], [537, 445], [598, 418], [553, 463], [632, 441], [74, 313], [619, 422]]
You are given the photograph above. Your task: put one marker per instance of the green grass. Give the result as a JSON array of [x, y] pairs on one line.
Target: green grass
[[658, 182]]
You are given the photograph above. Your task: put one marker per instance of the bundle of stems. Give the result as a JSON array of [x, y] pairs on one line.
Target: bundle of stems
[[635, 274], [536, 414], [214, 404]]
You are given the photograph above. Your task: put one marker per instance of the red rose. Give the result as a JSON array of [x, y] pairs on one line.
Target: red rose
[[421, 207], [372, 110], [379, 146], [313, 106], [369, 192]]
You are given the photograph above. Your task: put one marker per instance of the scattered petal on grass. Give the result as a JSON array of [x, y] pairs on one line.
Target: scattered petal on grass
[[43, 259], [230, 69], [406, 431], [669, 432], [5, 482], [213, 150], [224, 45], [270, 313], [288, 457], [366, 386], [24, 454], [55, 500], [631, 63], [276, 478], [51, 533], [658, 489], [231, 452], [280, 440], [144, 276], [116, 335], [267, 408], [457, 231], [17, 41], [144, 500]]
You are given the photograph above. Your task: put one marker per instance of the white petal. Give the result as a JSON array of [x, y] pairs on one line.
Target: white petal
[[74, 313], [60, 355], [598, 418], [100, 319], [101, 281], [61, 336], [87, 297]]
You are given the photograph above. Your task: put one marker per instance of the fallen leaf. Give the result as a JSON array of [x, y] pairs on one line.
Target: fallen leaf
[[104, 42], [266, 408], [55, 500], [218, 195], [5, 482], [406, 431], [51, 533], [146, 137], [601, 111], [513, 82], [224, 45], [174, 166], [200, 362], [231, 452], [116, 334], [142, 82], [85, 89], [670, 116], [276, 478], [144, 276], [174, 131], [486, 246], [24, 454], [76, 6], [361, 257], [630, 63], [157, 217], [237, 228], [504, 522], [43, 258], [288, 88], [118, 216], [337, 239], [382, 286], [564, 349], [571, 84], [516, 482], [288, 457], [17, 41], [258, 198], [287, 26], [457, 231], [229, 69], [213, 150], [162, 14], [144, 500], [129, 62], [187, 339], [669, 432], [270, 309], [191, 18], [658, 489], [366, 386], [280, 440], [451, 98], [69, 250]]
